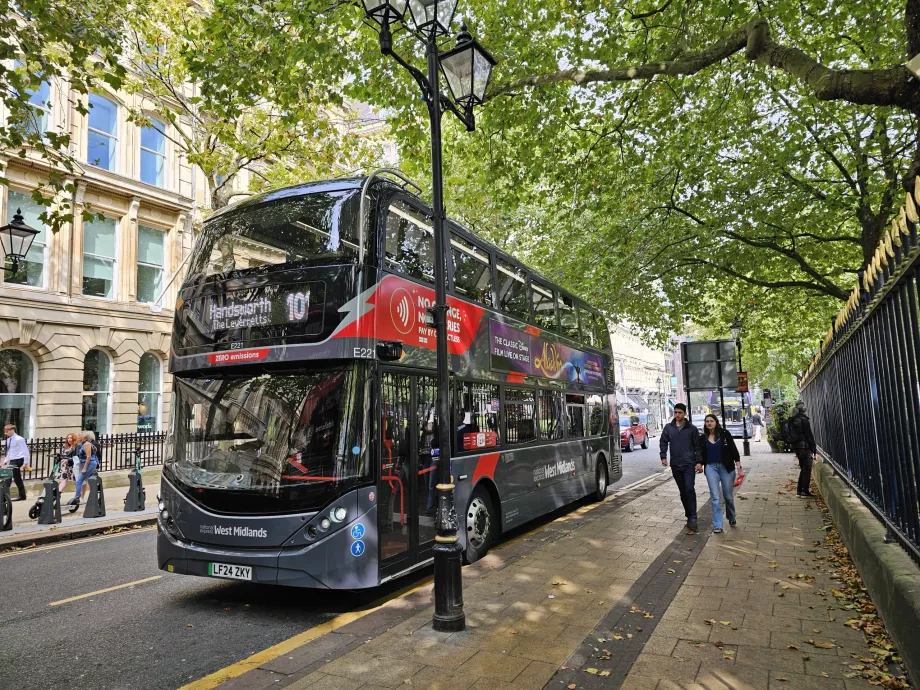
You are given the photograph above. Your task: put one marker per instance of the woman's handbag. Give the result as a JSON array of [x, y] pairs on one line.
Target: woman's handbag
[[740, 478]]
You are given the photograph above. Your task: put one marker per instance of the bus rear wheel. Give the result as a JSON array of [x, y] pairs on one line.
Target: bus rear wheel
[[600, 480], [480, 525]]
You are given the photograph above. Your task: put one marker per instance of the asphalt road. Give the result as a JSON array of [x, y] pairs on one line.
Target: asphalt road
[[154, 633]]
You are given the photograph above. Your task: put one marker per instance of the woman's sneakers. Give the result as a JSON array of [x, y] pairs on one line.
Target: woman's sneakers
[[717, 530]]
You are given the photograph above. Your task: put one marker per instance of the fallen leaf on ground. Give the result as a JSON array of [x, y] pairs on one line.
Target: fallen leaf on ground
[[737, 565], [592, 671], [710, 621], [791, 646], [780, 678], [604, 673], [725, 622], [617, 637], [821, 645], [671, 571], [571, 686], [817, 631], [718, 643]]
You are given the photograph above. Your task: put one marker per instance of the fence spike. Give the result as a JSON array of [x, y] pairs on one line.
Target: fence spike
[[889, 250], [895, 233], [902, 224], [911, 208]]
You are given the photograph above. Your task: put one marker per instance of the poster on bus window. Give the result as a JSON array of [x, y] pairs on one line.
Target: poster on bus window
[[515, 350]]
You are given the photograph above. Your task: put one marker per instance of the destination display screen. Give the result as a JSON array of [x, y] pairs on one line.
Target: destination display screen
[[271, 305]]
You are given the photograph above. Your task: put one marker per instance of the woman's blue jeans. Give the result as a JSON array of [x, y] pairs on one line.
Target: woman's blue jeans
[[89, 468], [721, 481]]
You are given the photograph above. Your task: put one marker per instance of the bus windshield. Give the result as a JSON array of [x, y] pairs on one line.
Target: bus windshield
[[314, 229], [268, 442]]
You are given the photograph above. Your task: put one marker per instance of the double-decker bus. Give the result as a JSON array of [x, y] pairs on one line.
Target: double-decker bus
[[303, 440]]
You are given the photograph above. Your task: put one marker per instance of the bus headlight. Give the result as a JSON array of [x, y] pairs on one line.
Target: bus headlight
[[324, 524], [338, 514]]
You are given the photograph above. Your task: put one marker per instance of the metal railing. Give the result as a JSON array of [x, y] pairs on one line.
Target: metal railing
[[862, 389], [118, 452]]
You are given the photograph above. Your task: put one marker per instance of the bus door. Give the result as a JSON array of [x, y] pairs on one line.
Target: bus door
[[408, 470]]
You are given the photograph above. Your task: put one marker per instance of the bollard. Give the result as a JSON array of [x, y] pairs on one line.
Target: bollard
[[95, 502], [6, 505], [50, 512], [137, 494]]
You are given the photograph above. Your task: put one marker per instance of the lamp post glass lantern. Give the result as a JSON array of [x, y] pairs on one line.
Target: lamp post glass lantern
[[16, 238], [467, 68]]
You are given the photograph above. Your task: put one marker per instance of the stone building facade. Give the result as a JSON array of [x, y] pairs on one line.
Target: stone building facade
[[81, 344]]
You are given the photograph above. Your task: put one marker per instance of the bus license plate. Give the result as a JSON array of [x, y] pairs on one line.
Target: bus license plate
[[234, 572]]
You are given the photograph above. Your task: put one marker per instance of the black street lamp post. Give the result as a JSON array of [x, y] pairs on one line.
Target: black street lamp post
[[16, 239], [467, 69], [736, 334]]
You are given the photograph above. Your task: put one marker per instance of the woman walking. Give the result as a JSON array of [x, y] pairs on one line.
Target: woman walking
[[89, 459], [720, 457]]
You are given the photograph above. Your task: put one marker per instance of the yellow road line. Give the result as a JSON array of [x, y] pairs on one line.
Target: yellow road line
[[240, 667], [292, 643], [103, 591], [74, 541]]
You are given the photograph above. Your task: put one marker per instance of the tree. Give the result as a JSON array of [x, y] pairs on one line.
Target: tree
[[225, 115], [42, 41]]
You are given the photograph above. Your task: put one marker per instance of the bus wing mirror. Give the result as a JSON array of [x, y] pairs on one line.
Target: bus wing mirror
[[389, 350]]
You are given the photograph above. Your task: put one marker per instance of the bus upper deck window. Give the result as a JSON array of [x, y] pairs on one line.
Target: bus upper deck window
[[568, 317], [409, 242], [544, 307], [513, 294], [472, 271]]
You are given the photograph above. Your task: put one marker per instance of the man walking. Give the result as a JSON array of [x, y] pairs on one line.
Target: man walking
[[684, 441], [17, 455], [802, 440], [757, 423]]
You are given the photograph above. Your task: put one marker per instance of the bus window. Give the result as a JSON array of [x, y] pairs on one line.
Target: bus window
[[575, 411], [512, 291], [477, 416], [599, 332], [520, 417], [544, 307], [595, 414], [568, 318], [409, 243], [551, 425], [472, 271]]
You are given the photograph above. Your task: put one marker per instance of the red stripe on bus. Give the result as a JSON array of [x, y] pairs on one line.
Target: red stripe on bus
[[428, 469], [485, 467], [515, 377], [533, 330]]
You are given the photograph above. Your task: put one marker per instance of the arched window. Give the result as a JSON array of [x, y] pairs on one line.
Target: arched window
[[102, 139], [149, 387], [17, 391], [97, 391]]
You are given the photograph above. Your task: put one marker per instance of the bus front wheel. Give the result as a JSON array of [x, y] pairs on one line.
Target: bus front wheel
[[600, 480], [480, 525]]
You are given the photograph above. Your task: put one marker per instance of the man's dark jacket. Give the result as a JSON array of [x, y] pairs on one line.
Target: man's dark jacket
[[684, 442], [806, 440]]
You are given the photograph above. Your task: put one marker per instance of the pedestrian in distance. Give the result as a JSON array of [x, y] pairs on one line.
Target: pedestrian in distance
[[17, 456], [798, 434], [89, 461], [720, 459], [68, 455], [757, 423], [683, 440]]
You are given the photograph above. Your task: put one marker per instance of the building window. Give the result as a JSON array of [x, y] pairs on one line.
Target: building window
[[520, 416], [32, 270], [99, 258], [472, 271], [513, 297], [409, 243], [102, 138], [149, 263], [575, 411], [17, 390], [40, 105], [97, 391], [153, 154], [551, 416], [149, 387], [477, 421]]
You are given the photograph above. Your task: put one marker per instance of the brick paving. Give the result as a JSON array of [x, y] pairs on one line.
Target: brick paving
[[615, 597]]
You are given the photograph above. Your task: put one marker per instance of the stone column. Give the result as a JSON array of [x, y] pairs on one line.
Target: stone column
[[128, 253]]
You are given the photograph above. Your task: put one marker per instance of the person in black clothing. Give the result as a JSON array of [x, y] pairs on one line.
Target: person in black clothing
[[684, 441], [802, 440]]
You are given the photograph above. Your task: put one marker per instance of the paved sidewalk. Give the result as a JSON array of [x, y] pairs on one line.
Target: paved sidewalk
[[611, 596]]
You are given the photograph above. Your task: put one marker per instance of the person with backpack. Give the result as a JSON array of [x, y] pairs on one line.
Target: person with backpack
[[88, 455], [798, 435]]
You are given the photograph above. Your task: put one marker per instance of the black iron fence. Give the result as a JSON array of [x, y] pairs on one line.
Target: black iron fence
[[118, 452], [863, 387]]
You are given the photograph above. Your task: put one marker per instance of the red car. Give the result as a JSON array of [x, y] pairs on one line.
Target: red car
[[632, 432]]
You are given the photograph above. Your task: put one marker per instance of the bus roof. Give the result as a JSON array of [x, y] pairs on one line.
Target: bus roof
[[355, 183]]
